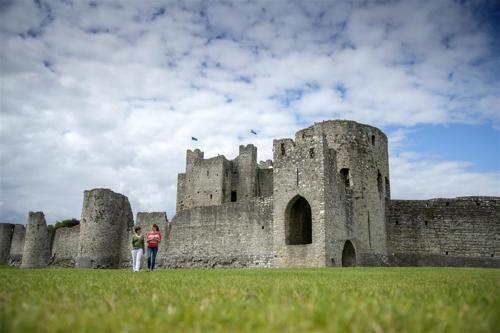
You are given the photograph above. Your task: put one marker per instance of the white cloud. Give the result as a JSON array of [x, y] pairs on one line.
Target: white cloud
[[414, 177]]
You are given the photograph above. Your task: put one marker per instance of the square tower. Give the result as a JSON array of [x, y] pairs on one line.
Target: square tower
[[308, 212]]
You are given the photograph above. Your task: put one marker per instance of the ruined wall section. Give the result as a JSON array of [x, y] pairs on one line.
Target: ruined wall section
[[65, 246], [17, 245], [36, 252], [235, 234], [363, 168], [6, 232], [105, 229], [445, 232], [181, 190], [302, 169]]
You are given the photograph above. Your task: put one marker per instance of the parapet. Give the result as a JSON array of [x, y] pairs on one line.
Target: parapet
[[267, 164], [192, 155], [362, 133], [250, 148]]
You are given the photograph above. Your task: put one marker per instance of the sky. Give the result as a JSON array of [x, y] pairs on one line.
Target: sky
[[107, 94]]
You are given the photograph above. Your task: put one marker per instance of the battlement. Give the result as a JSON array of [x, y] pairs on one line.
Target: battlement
[[248, 149], [345, 130]]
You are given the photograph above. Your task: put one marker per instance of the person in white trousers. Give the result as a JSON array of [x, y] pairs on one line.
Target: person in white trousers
[[137, 249]]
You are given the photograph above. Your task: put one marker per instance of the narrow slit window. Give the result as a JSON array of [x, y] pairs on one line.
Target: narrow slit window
[[379, 183], [233, 196], [387, 188], [311, 153], [283, 151]]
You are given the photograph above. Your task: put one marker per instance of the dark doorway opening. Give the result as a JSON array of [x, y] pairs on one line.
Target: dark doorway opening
[[344, 177], [348, 255], [298, 222], [233, 196]]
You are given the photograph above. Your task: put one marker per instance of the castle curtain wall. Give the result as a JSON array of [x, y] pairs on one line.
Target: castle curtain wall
[[236, 234], [445, 232]]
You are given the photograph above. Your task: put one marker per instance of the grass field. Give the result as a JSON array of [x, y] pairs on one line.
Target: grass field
[[246, 300]]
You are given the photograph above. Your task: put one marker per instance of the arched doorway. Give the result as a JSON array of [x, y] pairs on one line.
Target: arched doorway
[[348, 255], [298, 222]]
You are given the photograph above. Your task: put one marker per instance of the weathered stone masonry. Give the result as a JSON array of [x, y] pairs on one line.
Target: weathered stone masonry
[[324, 200], [445, 232]]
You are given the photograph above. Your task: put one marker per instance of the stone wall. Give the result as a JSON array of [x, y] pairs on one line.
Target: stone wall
[[265, 182], [17, 245], [65, 246], [6, 231], [236, 234], [105, 229], [36, 252], [445, 232]]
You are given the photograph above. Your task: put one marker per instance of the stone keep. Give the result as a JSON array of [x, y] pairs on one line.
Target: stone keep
[[36, 252], [6, 231], [105, 226], [304, 185]]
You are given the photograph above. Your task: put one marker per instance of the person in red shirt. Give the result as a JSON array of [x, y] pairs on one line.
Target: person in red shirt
[[153, 239]]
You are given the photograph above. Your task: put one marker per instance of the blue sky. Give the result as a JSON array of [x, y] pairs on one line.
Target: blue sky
[[109, 93]]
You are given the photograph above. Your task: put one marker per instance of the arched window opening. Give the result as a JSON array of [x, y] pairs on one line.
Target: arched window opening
[[298, 222], [348, 255], [379, 183], [344, 177]]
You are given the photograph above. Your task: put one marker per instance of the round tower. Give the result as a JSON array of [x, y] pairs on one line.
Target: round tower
[[363, 172], [105, 225], [36, 252]]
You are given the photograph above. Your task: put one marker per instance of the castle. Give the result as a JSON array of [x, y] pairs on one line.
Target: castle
[[324, 200]]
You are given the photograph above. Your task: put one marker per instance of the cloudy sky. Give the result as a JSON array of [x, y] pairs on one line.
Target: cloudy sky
[[108, 94]]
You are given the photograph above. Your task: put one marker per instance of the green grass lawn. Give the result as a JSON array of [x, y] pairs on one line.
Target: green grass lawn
[[251, 300]]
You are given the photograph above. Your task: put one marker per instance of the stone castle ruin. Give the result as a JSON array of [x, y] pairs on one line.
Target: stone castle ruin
[[324, 200]]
